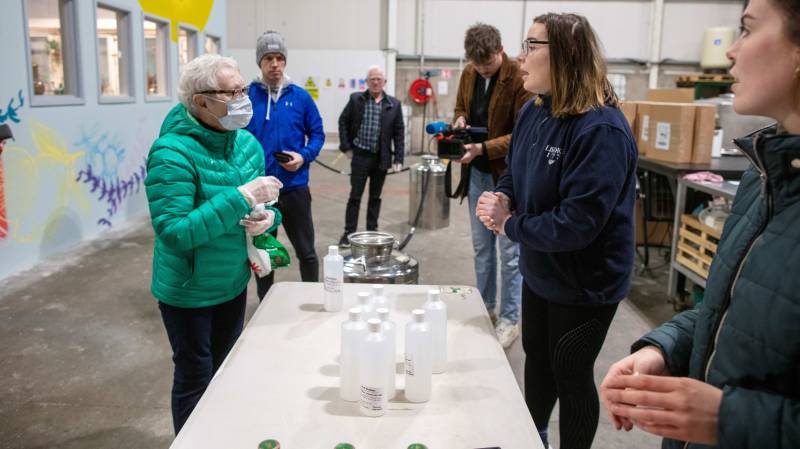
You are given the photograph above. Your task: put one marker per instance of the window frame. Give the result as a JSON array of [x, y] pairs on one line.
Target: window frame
[[178, 44], [168, 61], [125, 36], [212, 37], [68, 16]]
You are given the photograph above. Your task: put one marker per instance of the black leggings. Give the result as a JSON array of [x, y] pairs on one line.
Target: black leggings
[[561, 343]]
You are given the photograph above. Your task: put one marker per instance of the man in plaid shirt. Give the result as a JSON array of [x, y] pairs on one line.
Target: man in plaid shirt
[[370, 123]]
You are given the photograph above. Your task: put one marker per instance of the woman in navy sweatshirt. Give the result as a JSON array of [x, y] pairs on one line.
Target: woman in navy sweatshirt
[[567, 198]]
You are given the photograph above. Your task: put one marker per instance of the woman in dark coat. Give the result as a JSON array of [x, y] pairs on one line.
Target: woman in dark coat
[[726, 373]]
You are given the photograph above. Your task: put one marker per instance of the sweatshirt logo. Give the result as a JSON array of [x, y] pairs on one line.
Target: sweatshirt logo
[[553, 154]]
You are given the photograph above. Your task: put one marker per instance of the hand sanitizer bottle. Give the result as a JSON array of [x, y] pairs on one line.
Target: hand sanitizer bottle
[[334, 278], [353, 332], [373, 371], [418, 358], [390, 333], [436, 314]]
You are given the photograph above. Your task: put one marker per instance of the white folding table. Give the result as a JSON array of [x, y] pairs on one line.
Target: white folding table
[[280, 381]]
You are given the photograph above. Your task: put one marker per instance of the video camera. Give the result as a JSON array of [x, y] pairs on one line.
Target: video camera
[[451, 140]]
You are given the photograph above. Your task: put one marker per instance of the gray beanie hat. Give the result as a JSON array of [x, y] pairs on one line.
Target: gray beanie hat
[[270, 42]]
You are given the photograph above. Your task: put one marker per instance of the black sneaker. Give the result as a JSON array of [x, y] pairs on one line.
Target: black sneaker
[[344, 242]]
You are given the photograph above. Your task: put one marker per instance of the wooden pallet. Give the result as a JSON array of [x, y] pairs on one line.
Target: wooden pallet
[[705, 78], [697, 245]]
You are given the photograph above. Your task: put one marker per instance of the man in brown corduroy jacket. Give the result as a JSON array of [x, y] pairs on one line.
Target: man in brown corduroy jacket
[[489, 95]]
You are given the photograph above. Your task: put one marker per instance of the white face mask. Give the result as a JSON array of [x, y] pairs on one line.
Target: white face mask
[[240, 111]]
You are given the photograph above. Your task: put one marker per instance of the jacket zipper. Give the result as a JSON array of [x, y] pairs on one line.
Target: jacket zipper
[[712, 350]]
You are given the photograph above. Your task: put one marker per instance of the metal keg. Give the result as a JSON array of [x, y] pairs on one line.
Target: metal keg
[[428, 176], [373, 259]]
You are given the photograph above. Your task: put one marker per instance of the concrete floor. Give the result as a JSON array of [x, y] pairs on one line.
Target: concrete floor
[[86, 361]]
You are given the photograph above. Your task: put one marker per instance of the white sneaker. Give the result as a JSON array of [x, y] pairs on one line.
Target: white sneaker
[[507, 331]]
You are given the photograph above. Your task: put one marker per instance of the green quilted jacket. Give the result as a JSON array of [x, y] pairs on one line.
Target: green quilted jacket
[[744, 338], [200, 256]]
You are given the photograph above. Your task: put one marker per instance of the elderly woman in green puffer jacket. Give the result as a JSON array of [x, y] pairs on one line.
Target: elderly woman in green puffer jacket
[[726, 373], [204, 178]]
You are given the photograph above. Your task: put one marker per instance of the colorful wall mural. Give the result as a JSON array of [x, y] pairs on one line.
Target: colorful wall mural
[[74, 171]]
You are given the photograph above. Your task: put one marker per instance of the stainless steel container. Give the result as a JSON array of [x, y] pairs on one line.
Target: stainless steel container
[[428, 176], [373, 259], [734, 125]]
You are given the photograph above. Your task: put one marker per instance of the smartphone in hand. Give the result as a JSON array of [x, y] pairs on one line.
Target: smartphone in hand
[[282, 157]]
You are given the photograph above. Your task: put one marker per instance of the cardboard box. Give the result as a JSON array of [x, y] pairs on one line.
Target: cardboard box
[[705, 121], [641, 129], [670, 131], [628, 108], [679, 95]]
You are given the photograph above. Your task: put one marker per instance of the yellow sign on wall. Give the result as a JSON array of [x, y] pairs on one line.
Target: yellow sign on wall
[[192, 12]]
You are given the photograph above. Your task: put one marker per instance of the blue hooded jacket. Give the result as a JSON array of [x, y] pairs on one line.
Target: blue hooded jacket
[[572, 183], [292, 123]]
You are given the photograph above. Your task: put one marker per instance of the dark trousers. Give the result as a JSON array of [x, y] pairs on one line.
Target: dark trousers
[[201, 339], [295, 206], [364, 165], [561, 344]]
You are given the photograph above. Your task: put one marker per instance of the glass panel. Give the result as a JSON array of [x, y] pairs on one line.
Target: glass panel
[[212, 45], [110, 52], [187, 46], [47, 47], [155, 55]]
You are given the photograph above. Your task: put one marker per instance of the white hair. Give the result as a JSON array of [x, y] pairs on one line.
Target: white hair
[[378, 68], [200, 74]]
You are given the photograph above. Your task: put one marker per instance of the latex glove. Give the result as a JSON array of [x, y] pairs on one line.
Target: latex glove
[[397, 166], [681, 408], [648, 360], [471, 151], [257, 223], [295, 163], [493, 210], [261, 190]]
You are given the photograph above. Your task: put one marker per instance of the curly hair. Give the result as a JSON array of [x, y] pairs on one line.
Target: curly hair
[[481, 42]]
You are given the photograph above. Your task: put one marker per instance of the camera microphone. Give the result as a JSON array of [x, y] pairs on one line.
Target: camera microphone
[[437, 127]]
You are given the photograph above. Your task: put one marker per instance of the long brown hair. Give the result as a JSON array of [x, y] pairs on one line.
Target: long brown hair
[[577, 67]]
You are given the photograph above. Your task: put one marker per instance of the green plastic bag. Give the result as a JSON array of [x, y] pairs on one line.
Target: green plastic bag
[[278, 256]]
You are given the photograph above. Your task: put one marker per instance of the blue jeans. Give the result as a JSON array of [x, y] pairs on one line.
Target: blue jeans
[[201, 339], [484, 243]]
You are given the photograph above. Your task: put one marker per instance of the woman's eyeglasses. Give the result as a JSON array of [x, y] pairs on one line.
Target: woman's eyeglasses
[[233, 93], [529, 45]]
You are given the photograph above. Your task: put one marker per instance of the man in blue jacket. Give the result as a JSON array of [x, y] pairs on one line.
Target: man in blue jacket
[[287, 123]]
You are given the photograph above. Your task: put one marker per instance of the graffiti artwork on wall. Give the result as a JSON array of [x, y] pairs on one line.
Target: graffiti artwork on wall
[[193, 12], [42, 178], [104, 156], [10, 112]]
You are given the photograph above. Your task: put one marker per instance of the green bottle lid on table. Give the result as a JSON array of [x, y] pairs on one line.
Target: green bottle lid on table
[[269, 444], [344, 446], [417, 446]]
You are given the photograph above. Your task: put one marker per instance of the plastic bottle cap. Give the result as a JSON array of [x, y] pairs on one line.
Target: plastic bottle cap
[[344, 446], [419, 315], [433, 295], [355, 313], [363, 297], [374, 325], [333, 250], [417, 446], [383, 313], [269, 444]]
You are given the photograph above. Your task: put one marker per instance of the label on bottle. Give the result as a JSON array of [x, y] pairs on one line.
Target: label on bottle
[[333, 284], [372, 398], [409, 364]]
